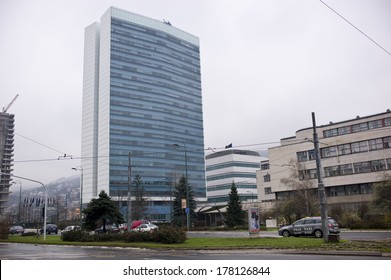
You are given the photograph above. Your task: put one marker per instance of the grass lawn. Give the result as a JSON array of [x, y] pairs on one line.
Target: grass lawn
[[303, 243]]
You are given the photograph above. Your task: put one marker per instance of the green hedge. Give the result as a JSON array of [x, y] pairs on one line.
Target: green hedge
[[166, 235], [169, 235]]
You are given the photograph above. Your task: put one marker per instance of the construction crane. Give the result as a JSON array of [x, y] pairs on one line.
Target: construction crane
[[5, 109]]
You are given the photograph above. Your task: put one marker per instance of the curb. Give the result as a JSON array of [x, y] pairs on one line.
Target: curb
[[344, 253]]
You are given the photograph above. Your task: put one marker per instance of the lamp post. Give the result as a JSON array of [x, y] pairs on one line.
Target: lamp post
[[79, 168], [20, 200], [129, 214], [46, 199], [165, 182], [187, 188], [252, 197]]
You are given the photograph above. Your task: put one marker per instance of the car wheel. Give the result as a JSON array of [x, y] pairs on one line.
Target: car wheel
[[286, 233], [318, 233]]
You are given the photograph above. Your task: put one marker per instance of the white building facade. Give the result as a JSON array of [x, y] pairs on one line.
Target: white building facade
[[232, 166], [355, 154]]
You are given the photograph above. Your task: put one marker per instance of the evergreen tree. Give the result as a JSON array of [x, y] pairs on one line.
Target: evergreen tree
[[139, 204], [179, 214], [101, 210], [235, 213]]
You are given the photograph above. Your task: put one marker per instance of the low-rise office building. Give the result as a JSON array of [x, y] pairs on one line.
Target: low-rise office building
[[354, 153], [224, 168]]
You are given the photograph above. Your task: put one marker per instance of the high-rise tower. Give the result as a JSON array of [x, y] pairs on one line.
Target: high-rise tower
[[141, 101]]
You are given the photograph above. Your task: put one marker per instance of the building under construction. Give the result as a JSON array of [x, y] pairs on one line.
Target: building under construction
[[6, 154]]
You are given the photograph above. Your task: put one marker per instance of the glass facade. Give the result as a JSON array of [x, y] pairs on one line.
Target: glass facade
[[151, 111]]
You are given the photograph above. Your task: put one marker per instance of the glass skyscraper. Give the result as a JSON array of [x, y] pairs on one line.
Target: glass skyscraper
[[142, 109]]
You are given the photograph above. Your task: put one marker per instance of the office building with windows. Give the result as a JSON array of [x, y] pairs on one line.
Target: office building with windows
[[6, 157], [354, 153], [142, 110], [232, 166]]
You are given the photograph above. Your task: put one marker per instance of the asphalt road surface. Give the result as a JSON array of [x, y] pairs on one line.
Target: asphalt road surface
[[17, 251], [346, 235]]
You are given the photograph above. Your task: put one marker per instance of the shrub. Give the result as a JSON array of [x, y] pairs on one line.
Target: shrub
[[29, 233], [105, 237], [351, 220], [166, 234], [77, 235], [137, 236], [169, 235]]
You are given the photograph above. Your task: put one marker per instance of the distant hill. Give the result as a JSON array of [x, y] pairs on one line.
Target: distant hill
[[60, 187]]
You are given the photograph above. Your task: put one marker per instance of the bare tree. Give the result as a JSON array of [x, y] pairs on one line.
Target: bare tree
[[302, 199]]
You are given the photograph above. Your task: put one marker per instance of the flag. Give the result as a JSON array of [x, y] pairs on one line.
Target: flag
[[228, 146]]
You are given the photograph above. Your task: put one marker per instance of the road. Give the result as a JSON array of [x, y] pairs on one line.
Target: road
[[17, 251], [345, 235]]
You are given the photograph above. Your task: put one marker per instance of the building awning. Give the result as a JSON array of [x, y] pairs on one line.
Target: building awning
[[212, 209]]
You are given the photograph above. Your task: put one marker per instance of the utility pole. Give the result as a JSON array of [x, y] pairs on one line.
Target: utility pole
[[80, 168], [187, 188], [187, 194], [129, 217], [321, 190]]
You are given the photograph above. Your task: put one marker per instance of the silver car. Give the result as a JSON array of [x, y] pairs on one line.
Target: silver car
[[311, 226]]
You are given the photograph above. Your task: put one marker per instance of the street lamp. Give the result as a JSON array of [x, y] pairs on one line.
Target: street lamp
[[79, 168], [46, 200], [20, 199], [252, 196], [187, 187], [166, 183]]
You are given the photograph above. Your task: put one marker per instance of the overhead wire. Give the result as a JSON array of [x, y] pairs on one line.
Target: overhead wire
[[376, 43], [39, 143]]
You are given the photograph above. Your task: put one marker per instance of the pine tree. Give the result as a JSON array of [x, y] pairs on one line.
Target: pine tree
[[139, 204], [101, 210], [235, 213], [179, 214]]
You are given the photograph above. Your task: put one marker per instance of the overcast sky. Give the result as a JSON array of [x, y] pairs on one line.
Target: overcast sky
[[266, 65]]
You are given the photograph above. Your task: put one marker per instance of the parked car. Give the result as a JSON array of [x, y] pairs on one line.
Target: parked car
[[109, 229], [146, 227], [311, 226], [135, 224], [16, 230], [50, 228], [70, 228]]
